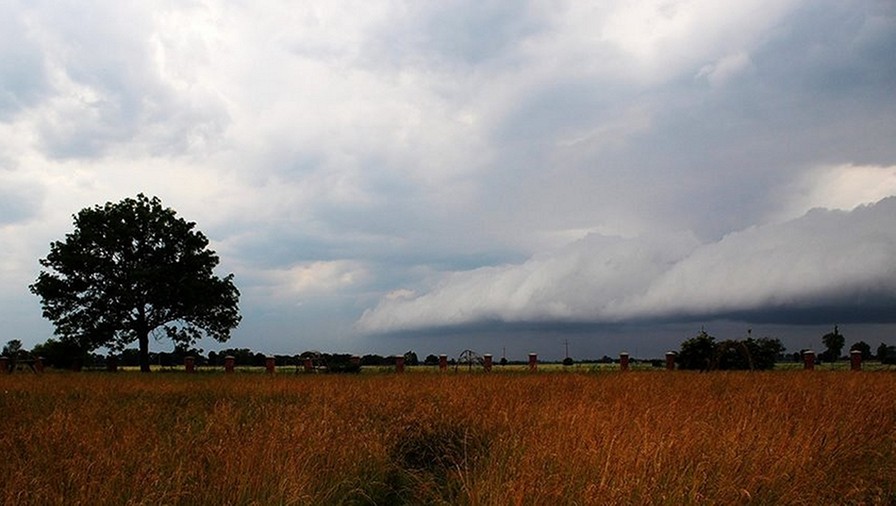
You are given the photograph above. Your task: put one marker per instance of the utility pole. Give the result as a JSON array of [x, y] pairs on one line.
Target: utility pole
[[566, 342]]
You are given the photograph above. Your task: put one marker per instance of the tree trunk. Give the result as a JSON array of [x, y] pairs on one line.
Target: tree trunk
[[143, 338]]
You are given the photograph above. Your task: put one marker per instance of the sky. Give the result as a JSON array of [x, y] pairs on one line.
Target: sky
[[384, 176]]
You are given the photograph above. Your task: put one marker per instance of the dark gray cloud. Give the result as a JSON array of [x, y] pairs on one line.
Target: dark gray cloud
[[534, 169]]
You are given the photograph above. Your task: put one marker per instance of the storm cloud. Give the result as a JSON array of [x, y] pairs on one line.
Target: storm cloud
[[831, 263], [374, 167]]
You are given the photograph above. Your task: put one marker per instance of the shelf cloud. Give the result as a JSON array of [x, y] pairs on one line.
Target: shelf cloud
[[824, 261]]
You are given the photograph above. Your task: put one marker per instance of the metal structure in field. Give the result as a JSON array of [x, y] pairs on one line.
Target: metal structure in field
[[470, 359]]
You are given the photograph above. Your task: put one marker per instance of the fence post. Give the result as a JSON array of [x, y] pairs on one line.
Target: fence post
[[399, 363], [38, 364], [190, 364], [443, 362], [623, 361], [487, 362], [670, 360], [270, 365], [809, 360], [356, 361], [229, 362], [533, 362], [4, 365], [855, 360]]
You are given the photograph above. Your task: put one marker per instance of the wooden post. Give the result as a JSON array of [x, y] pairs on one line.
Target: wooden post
[[308, 364], [39, 365], [533, 362], [670, 360], [855, 360], [399, 363], [623, 361], [111, 363], [443, 362], [356, 360], [4, 365], [809, 360], [487, 362], [270, 365], [190, 364], [229, 362]]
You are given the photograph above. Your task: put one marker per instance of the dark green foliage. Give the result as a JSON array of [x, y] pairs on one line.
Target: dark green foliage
[[833, 342], [863, 347], [12, 349], [431, 360], [14, 353], [410, 358], [375, 360], [242, 356], [886, 354], [568, 361], [341, 363], [130, 269], [764, 351], [60, 354], [703, 352], [697, 353]]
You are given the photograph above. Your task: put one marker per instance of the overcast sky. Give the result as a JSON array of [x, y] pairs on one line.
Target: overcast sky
[[384, 176]]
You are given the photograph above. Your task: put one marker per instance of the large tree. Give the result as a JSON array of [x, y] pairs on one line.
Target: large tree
[[130, 270]]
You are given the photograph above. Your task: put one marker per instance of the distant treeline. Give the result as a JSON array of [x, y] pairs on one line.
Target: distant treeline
[[702, 352]]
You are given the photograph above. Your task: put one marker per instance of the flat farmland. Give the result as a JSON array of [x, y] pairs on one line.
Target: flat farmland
[[779, 437]]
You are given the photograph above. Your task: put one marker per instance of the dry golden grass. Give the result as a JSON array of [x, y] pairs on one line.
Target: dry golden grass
[[608, 438]]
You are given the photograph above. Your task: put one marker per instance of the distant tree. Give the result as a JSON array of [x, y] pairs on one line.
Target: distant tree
[[833, 342], [431, 360], [881, 351], [410, 358], [886, 354], [697, 353], [129, 357], [374, 359], [341, 363], [60, 354], [732, 354], [568, 361], [14, 352], [764, 351], [863, 347], [11, 348], [131, 269], [503, 361]]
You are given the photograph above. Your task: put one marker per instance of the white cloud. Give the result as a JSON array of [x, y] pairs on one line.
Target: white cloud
[[345, 149], [727, 68], [837, 187], [824, 257], [314, 278]]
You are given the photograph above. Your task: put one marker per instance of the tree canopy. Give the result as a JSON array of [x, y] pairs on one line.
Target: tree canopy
[[130, 270], [833, 342], [704, 352]]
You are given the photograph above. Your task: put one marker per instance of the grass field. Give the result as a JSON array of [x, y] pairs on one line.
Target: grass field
[[781, 437]]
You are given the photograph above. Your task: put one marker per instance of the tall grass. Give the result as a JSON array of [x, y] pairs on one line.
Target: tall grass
[[608, 438]]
